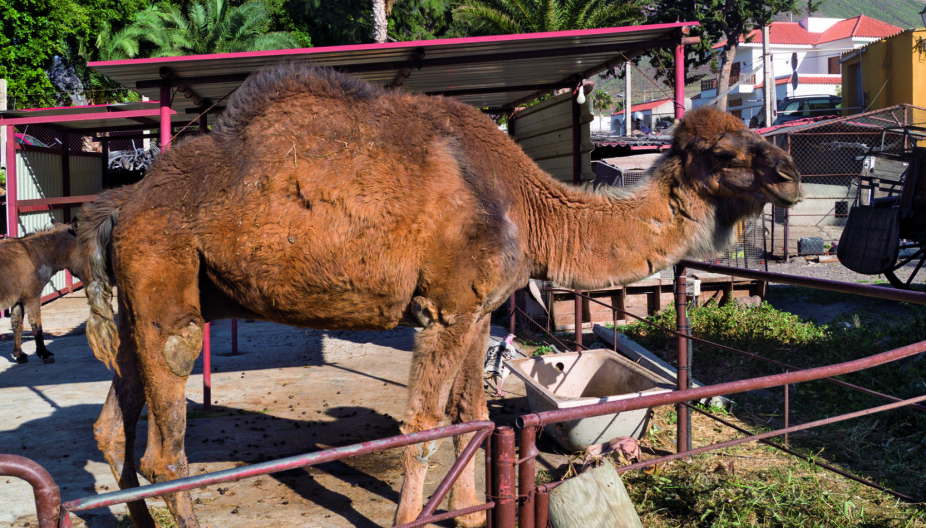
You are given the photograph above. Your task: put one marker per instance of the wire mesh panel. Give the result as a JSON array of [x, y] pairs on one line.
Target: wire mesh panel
[[831, 155]]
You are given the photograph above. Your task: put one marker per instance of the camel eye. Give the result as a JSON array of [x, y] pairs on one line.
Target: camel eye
[[724, 155]]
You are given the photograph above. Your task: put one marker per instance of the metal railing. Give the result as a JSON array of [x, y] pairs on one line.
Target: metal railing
[[517, 500]]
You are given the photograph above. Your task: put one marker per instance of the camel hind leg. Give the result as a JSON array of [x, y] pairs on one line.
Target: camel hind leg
[[115, 430], [440, 350], [160, 315]]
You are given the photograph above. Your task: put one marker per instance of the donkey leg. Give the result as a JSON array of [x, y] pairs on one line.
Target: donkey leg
[[115, 430], [34, 311], [16, 322], [467, 404], [439, 352]]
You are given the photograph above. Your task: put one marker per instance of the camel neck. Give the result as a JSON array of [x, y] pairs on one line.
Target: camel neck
[[587, 240]]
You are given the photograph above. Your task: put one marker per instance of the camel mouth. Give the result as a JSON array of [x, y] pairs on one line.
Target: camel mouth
[[791, 194]]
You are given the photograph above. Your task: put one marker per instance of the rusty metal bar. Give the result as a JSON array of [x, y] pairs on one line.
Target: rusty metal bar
[[890, 294], [12, 192], [578, 314], [490, 480], [422, 521], [814, 461], [274, 466], [512, 311], [541, 508], [504, 492], [454, 472], [733, 387], [683, 428], [207, 369], [757, 357], [787, 409], [527, 468], [779, 432], [44, 489], [164, 113]]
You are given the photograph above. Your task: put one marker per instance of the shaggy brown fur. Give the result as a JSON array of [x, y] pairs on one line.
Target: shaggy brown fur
[[27, 264], [321, 201]]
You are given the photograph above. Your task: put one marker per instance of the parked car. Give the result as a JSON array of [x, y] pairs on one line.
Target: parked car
[[804, 106]]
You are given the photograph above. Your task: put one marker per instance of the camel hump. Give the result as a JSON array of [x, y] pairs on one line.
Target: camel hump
[[276, 83]]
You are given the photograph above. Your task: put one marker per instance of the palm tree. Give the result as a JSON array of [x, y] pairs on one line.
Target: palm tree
[[496, 17], [208, 26]]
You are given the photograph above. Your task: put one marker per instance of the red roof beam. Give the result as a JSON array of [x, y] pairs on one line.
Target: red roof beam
[[78, 117]]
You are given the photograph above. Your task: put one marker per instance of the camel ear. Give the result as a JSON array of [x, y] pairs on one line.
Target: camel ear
[[74, 225]]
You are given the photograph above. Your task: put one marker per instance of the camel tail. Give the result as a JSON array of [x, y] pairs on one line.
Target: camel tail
[[95, 226]]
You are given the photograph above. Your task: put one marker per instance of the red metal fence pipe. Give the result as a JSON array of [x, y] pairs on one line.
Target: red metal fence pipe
[[683, 429], [504, 490], [814, 461], [44, 489], [273, 466], [757, 357], [527, 469], [732, 387], [454, 472], [541, 508], [891, 294]]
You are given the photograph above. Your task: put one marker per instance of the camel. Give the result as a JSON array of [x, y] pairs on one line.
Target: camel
[[319, 200], [28, 263]]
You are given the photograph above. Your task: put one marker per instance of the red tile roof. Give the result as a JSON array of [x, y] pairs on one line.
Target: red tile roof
[[859, 27], [807, 79], [794, 34]]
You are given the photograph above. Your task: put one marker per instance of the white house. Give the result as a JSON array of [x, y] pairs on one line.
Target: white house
[[817, 44]]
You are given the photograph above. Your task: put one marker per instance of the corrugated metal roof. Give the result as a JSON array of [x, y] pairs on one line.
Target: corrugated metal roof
[[495, 71]]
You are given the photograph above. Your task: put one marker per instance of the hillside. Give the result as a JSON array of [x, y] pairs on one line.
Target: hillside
[[902, 13]]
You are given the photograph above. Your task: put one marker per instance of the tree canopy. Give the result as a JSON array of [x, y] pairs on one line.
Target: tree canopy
[[496, 17]]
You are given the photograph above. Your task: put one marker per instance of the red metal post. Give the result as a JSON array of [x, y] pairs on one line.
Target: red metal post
[[504, 488], [578, 320], [512, 313], [683, 438], [207, 370], [787, 410], [526, 476], [541, 508], [234, 336], [679, 81], [44, 489], [12, 213], [165, 116]]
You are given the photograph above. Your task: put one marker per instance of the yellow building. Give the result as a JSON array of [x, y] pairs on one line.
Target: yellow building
[[885, 73]]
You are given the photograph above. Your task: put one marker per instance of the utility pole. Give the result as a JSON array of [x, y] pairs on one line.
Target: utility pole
[[627, 124], [769, 76], [2, 128]]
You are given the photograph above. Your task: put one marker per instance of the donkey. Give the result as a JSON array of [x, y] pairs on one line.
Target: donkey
[[28, 263]]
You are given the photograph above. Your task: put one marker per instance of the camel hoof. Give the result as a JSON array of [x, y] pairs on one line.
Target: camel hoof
[[473, 520], [21, 359], [50, 358]]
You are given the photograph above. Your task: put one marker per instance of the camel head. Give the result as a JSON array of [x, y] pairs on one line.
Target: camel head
[[732, 166]]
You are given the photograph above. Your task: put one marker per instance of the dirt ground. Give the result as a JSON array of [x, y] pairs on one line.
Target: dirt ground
[[287, 392]]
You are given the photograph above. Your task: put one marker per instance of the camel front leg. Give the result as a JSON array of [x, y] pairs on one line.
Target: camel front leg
[[16, 323], [165, 456], [439, 353], [468, 404]]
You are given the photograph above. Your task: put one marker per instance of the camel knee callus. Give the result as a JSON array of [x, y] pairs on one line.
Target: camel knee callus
[[385, 208]]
